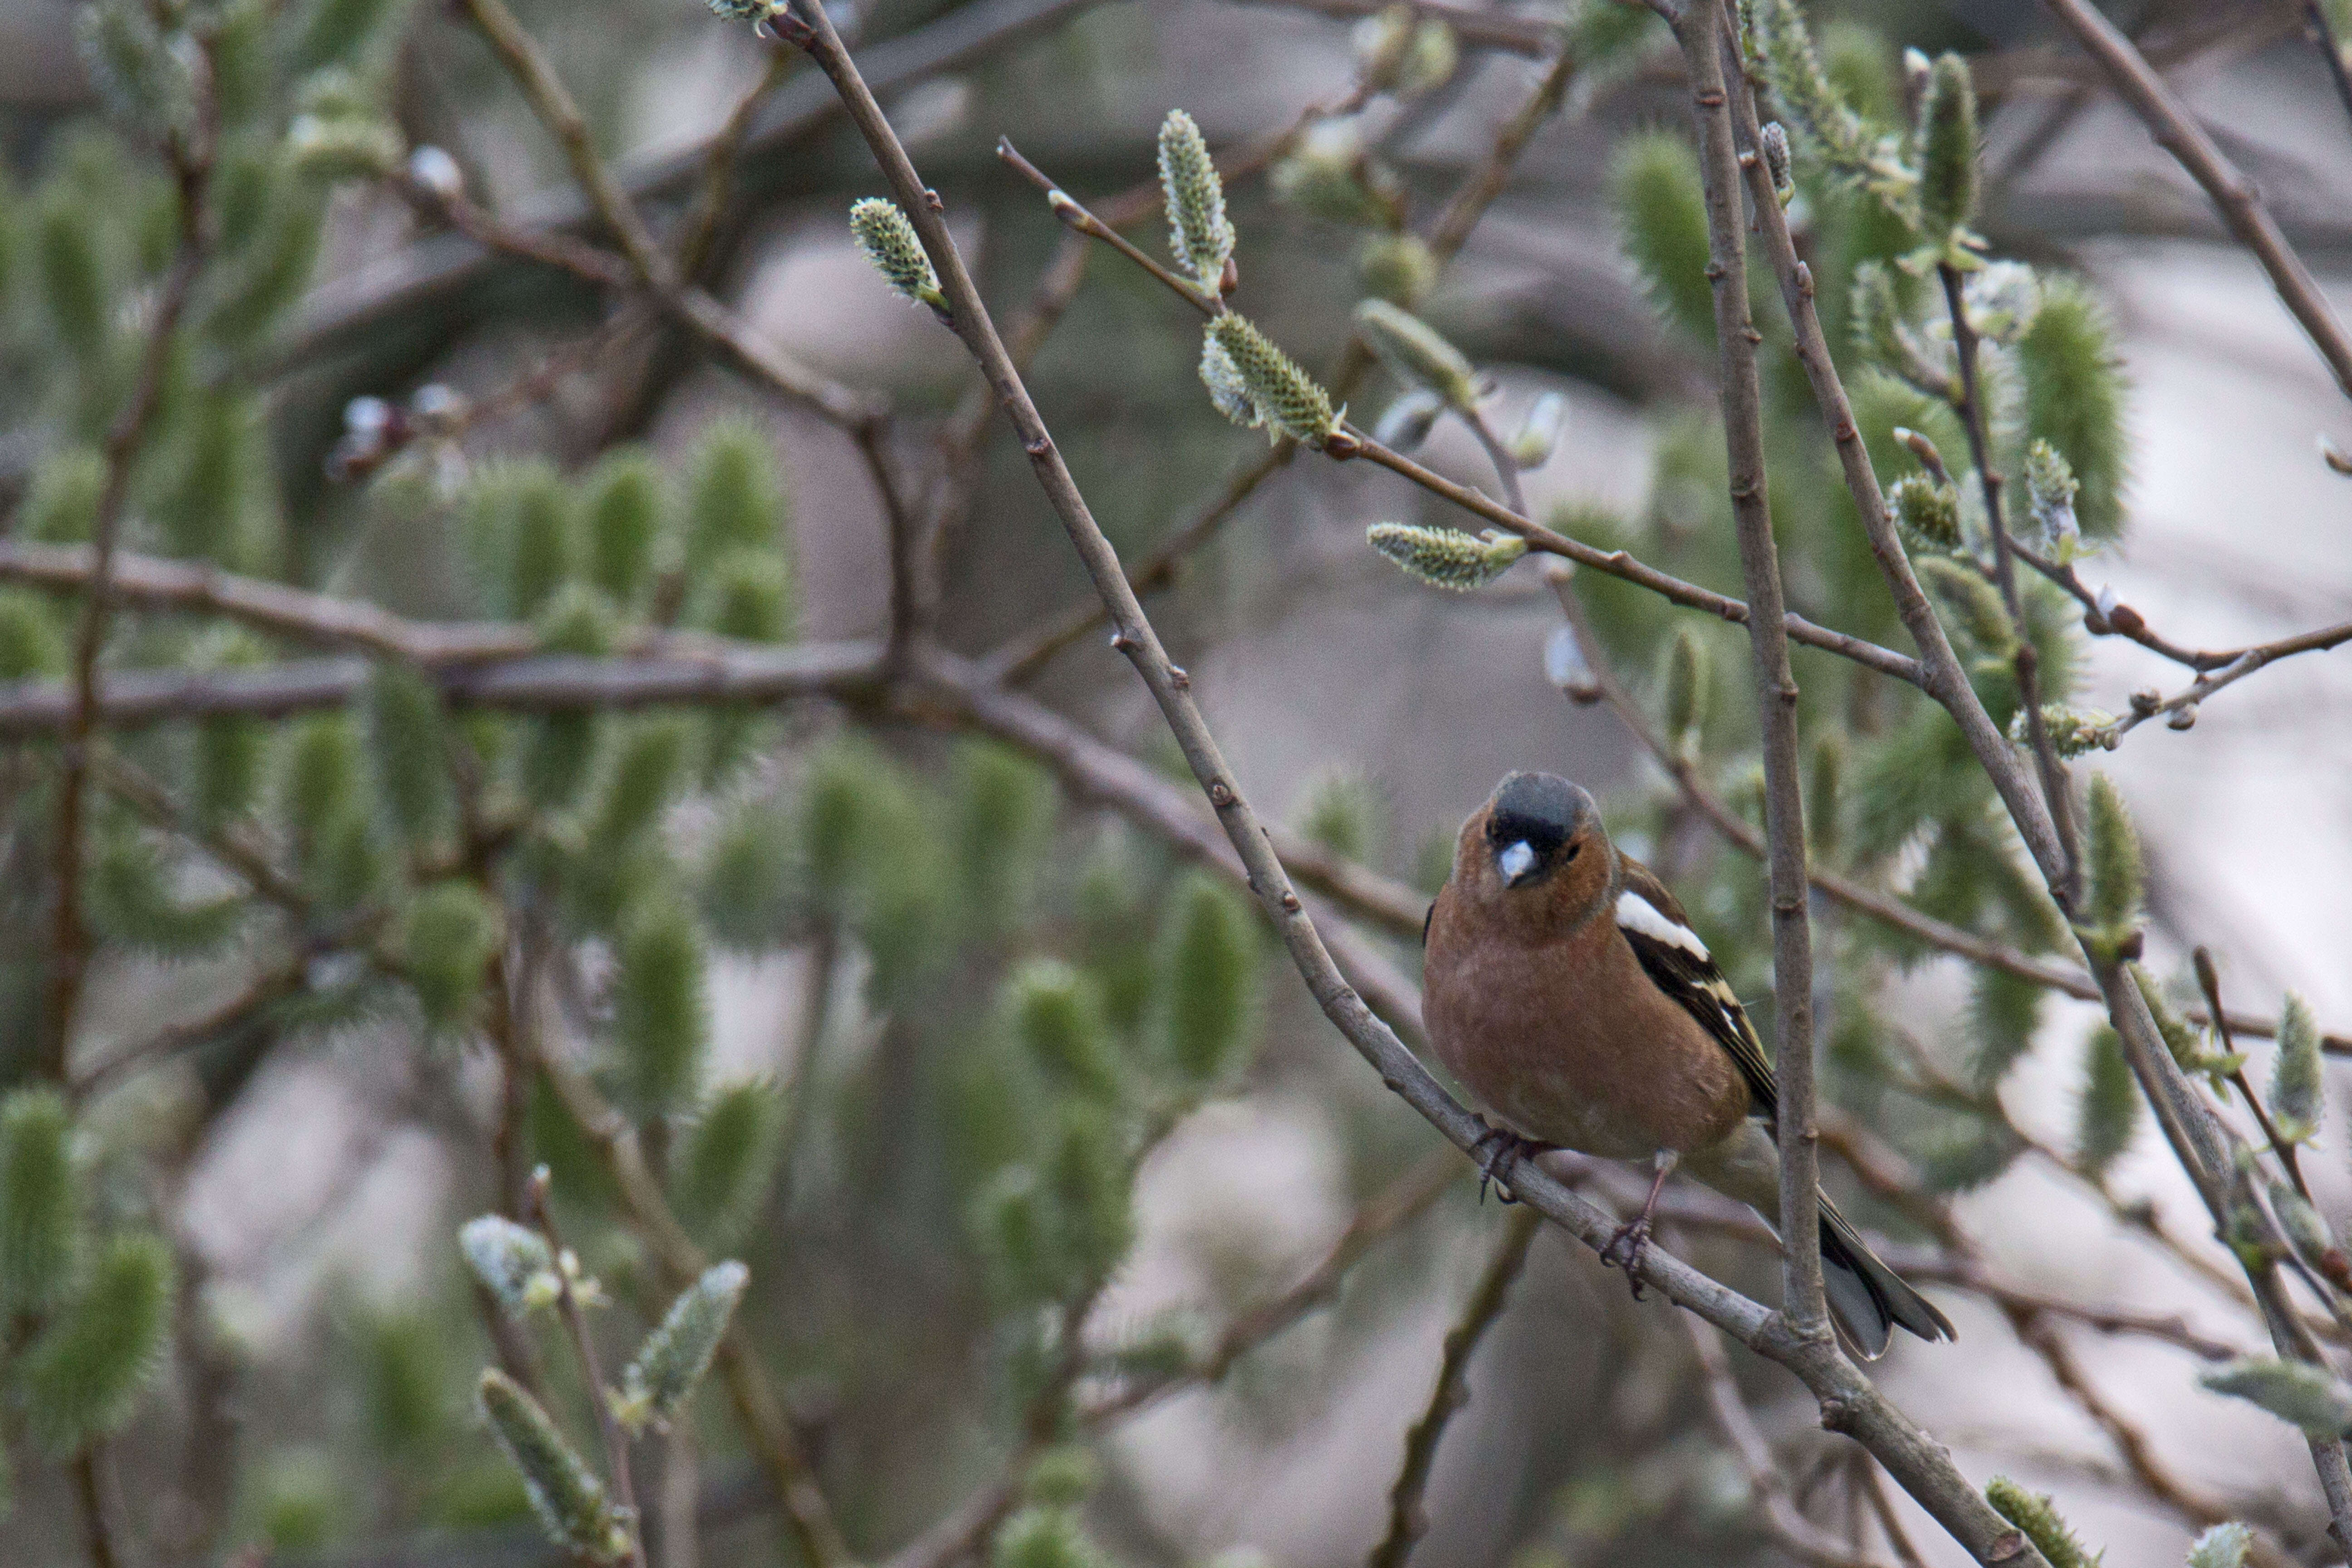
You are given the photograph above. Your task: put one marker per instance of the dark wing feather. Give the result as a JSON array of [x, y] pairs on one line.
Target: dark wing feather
[[1699, 986]]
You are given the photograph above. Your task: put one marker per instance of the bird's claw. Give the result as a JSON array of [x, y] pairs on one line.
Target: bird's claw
[[1498, 1153], [1625, 1249]]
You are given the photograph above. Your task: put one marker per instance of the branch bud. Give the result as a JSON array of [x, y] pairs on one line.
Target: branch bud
[[890, 242], [1446, 557]]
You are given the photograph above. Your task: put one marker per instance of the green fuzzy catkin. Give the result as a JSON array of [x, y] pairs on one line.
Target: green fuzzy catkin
[[1927, 512], [1282, 395], [1824, 797], [1064, 1476], [676, 1354], [724, 1169], [342, 32], [541, 555], [1415, 353], [1685, 686], [735, 497], [2074, 732], [2108, 1114], [2113, 905], [2033, 1513], [2186, 1044], [2223, 1546], [2074, 398], [647, 766], [274, 267], [748, 596], [2298, 1094], [62, 506], [889, 240], [747, 878], [2296, 1391], [2004, 1011], [450, 932], [133, 901], [1046, 1536], [846, 784], [1972, 603], [1056, 1016], [1874, 316], [1208, 980], [141, 74], [1446, 557], [1398, 268], [513, 1262], [1661, 208], [30, 643], [72, 274], [1946, 145], [326, 149], [1087, 1178], [400, 1358], [1198, 230], [82, 1376], [1012, 1229], [1816, 107], [571, 1502], [660, 1022], [627, 511], [558, 757], [321, 771], [2306, 1228], [229, 752], [1003, 813], [409, 746], [1341, 812], [40, 1201]]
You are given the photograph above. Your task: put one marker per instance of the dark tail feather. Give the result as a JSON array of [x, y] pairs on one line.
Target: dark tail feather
[[1865, 1295]]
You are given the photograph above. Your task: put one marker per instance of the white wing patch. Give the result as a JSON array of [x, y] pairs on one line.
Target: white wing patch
[[1635, 913]]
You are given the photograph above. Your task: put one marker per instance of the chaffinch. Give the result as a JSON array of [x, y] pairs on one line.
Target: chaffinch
[[1565, 988]]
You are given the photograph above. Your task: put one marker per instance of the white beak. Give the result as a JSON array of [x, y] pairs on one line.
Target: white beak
[[1516, 862]]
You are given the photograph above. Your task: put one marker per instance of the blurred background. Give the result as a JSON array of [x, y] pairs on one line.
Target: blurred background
[[870, 985]]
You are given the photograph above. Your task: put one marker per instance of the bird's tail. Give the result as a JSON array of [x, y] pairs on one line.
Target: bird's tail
[[1866, 1297]]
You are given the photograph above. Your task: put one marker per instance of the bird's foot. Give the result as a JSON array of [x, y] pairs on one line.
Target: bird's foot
[[1498, 1153], [1625, 1249]]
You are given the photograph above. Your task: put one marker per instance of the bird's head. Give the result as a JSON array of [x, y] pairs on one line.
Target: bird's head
[[1537, 847]]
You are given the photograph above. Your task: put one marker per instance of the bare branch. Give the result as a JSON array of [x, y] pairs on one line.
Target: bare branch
[[1408, 1516], [2232, 193]]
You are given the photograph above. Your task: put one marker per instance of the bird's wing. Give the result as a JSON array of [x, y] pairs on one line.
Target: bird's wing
[[1678, 962]]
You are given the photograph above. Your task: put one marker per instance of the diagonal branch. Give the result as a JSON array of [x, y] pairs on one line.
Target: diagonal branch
[[2232, 193]]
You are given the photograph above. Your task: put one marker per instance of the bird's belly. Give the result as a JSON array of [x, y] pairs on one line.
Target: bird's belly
[[1556, 1076]]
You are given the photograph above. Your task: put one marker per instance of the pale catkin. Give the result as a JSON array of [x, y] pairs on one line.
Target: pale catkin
[[1277, 391], [570, 1501], [1446, 557], [676, 1354], [1416, 353], [1198, 230], [890, 242]]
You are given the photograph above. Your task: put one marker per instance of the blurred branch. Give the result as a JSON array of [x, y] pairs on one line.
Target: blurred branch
[[429, 271], [2232, 193], [1480, 30], [190, 158], [2322, 33], [1408, 1516], [89, 1499], [583, 1346]]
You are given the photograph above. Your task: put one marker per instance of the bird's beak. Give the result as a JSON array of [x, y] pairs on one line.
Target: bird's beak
[[1517, 863]]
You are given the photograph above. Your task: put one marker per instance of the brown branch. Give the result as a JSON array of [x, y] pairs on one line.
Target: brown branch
[[89, 1504], [1408, 1515], [2239, 667], [1479, 29], [1848, 1400], [69, 938], [2233, 196], [1702, 30]]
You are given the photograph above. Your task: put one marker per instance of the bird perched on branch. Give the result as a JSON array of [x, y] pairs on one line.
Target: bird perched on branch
[[1565, 988]]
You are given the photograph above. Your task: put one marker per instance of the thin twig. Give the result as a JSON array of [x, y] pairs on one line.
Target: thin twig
[[1702, 32], [2209, 980], [2245, 664], [1408, 1513], [2026, 661], [2321, 31], [2232, 193], [70, 939], [89, 1503], [584, 1345]]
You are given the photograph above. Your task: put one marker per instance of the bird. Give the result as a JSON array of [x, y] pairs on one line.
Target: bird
[[1563, 986]]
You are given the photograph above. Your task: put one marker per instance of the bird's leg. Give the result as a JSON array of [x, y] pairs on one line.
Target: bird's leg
[[1498, 1153], [1632, 1238]]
